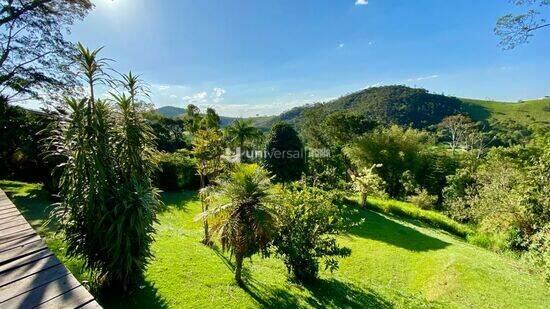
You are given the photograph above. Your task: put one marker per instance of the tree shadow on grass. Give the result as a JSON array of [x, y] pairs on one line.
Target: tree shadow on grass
[[337, 294], [323, 294], [144, 296], [382, 228], [177, 200], [268, 297]]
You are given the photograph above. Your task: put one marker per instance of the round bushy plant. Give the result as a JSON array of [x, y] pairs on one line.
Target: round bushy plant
[[310, 218]]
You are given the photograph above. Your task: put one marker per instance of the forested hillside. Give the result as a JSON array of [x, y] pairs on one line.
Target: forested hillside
[[406, 106]]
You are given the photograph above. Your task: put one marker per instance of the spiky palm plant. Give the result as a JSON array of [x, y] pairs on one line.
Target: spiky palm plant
[[243, 218], [242, 131], [108, 203]]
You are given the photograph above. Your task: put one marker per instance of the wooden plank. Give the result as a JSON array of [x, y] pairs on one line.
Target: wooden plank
[[21, 251], [8, 209], [91, 305], [33, 281], [14, 229], [72, 299], [28, 270], [43, 293], [4, 238], [6, 204], [12, 218], [30, 274], [23, 240], [4, 224], [24, 260], [10, 214]]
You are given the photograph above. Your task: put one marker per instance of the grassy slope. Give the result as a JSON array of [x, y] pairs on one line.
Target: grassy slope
[[394, 262], [526, 112]]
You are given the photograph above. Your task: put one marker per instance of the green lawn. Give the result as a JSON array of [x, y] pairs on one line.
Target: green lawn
[[394, 263]]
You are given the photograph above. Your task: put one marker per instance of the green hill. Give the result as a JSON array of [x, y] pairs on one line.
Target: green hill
[[406, 106], [525, 112], [417, 107]]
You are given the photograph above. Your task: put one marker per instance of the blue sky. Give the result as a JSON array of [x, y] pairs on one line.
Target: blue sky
[[251, 57]]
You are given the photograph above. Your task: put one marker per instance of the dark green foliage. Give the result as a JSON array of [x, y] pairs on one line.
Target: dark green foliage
[[176, 171], [310, 219], [508, 133], [169, 132], [284, 157], [108, 203], [20, 154], [331, 132]]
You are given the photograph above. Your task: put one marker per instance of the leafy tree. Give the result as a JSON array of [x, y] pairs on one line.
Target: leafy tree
[[514, 30], [192, 118], [208, 147], [240, 132], [36, 58], [169, 132], [210, 120], [310, 219], [108, 203], [329, 133], [368, 183], [455, 129], [284, 156], [397, 149], [243, 217]]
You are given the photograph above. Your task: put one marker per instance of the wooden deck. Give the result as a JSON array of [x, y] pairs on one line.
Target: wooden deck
[[30, 275]]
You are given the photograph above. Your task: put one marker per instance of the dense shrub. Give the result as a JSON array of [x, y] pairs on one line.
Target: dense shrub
[[422, 199], [284, 153], [21, 157], [176, 171], [506, 195], [398, 150], [310, 218], [539, 251]]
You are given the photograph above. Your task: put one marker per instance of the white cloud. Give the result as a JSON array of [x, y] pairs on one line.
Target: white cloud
[[341, 45], [416, 79], [217, 94], [173, 96], [361, 2], [200, 97]]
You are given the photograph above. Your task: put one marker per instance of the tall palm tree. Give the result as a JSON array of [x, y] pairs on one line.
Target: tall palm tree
[[243, 218], [242, 131]]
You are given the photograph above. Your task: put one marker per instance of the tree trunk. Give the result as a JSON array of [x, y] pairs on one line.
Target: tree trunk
[[204, 207], [238, 268], [363, 199]]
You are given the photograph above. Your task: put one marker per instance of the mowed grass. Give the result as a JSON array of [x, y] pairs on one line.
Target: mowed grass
[[394, 263]]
